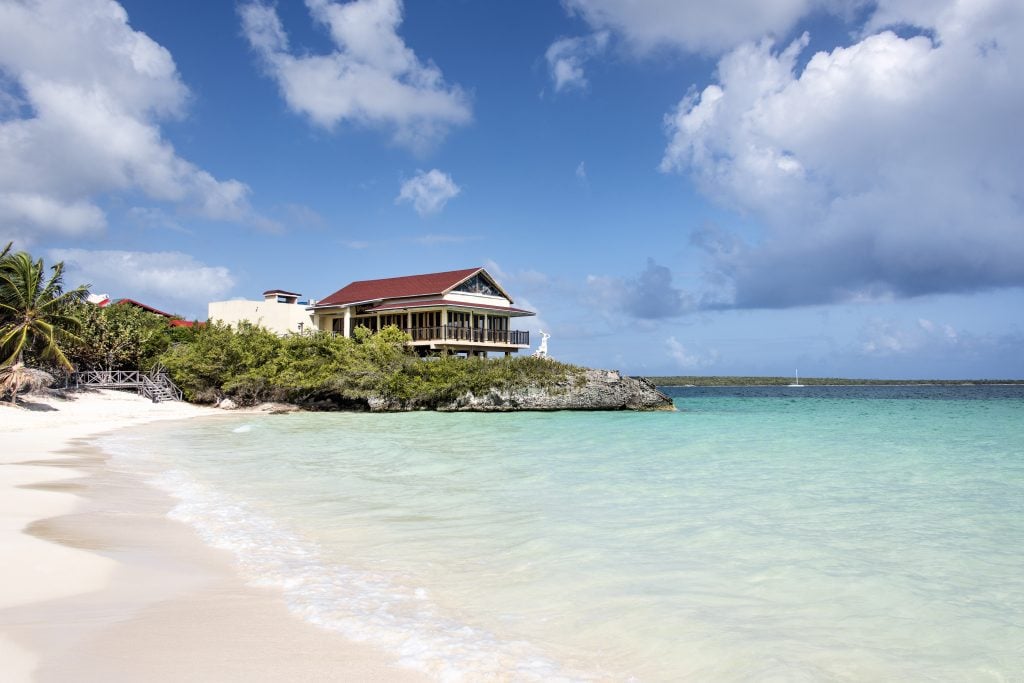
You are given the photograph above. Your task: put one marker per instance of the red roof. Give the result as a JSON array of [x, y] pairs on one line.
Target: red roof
[[397, 287], [402, 305], [173, 320], [139, 304]]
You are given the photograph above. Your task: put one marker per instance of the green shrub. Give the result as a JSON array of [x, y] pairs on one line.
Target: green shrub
[[251, 365]]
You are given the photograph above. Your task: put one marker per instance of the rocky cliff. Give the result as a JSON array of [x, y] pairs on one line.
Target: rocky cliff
[[598, 390]]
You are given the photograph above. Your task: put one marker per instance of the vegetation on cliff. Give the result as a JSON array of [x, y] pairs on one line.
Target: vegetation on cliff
[[251, 365], [727, 381]]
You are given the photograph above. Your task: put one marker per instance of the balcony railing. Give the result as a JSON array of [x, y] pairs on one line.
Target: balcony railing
[[449, 333]]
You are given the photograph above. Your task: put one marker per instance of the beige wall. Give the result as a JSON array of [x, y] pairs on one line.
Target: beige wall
[[279, 318], [469, 298]]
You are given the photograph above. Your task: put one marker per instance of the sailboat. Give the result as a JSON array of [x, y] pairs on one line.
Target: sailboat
[[797, 382]]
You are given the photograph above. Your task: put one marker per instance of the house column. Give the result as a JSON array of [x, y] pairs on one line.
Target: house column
[[408, 322], [444, 323], [347, 325]]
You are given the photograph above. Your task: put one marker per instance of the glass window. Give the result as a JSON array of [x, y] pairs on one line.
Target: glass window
[[478, 285]]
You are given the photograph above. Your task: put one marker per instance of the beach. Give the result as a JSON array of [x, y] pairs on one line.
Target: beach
[[98, 584], [815, 533]]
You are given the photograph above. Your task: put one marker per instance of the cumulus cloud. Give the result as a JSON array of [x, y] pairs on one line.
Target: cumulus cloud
[[169, 278], [372, 78], [686, 358], [886, 337], [698, 26], [84, 96], [566, 57], [889, 168], [428, 191], [648, 296]]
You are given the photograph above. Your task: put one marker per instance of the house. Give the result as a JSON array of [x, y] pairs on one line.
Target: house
[[280, 311], [104, 300], [461, 311]]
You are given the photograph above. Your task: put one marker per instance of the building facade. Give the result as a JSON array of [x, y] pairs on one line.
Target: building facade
[[279, 311], [460, 311]]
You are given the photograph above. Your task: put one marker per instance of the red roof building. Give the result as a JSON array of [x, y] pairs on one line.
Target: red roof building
[[173, 320], [463, 311]]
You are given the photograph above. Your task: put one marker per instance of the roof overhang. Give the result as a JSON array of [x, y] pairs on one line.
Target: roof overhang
[[447, 303]]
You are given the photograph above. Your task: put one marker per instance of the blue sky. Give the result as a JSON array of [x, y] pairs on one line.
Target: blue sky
[[746, 187]]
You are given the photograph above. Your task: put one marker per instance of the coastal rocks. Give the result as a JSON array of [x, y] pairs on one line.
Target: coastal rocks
[[227, 404], [276, 408], [596, 390]]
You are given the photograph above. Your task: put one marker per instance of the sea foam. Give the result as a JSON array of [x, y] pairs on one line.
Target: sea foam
[[360, 605]]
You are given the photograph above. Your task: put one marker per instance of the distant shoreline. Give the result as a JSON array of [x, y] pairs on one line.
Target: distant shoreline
[[729, 381]]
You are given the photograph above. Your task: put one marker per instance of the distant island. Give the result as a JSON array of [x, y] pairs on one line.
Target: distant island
[[728, 381]]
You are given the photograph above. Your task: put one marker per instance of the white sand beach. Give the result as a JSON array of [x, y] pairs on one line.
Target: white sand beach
[[97, 584]]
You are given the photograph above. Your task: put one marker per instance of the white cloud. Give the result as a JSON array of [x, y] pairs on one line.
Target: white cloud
[[581, 173], [887, 168], [887, 337], [698, 26], [566, 57], [162, 279], [372, 78], [648, 296], [90, 92], [428, 191], [68, 218], [533, 323], [530, 279], [685, 358], [435, 239]]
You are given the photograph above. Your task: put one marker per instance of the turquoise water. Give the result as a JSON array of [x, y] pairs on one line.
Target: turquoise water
[[788, 534]]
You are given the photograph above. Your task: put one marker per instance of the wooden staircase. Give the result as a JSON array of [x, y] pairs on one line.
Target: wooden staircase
[[157, 385]]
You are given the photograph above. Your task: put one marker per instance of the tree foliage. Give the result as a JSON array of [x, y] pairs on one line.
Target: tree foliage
[[120, 337], [250, 364]]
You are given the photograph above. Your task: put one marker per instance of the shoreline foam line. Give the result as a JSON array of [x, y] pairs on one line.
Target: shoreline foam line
[[96, 581]]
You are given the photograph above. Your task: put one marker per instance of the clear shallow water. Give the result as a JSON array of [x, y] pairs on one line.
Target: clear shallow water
[[823, 533]]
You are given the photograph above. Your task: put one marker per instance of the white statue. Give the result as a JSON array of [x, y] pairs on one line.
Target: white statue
[[542, 350]]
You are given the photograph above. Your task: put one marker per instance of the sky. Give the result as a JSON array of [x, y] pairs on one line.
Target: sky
[[745, 187]]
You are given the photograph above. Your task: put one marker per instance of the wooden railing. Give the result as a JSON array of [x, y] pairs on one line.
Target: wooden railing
[[156, 386], [469, 334]]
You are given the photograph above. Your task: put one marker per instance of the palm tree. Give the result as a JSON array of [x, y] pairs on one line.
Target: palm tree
[[35, 312], [17, 378]]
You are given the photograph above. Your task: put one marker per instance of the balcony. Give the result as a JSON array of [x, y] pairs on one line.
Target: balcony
[[452, 333]]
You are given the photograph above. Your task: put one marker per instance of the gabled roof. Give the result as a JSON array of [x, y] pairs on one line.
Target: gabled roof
[[430, 284], [433, 303], [139, 304]]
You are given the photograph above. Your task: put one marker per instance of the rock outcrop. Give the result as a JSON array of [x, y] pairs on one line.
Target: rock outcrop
[[598, 390]]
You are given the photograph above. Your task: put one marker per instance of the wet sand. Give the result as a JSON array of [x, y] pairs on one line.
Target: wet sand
[[97, 584]]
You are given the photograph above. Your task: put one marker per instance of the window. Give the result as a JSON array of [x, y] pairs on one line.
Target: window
[[369, 322], [396, 319], [478, 285], [427, 319]]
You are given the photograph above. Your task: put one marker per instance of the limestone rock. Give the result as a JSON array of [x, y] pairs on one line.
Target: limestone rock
[[600, 390]]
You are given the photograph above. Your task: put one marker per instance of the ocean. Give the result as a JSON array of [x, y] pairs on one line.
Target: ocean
[[759, 533]]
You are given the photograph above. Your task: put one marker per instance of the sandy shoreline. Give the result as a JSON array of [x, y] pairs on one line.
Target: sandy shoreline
[[97, 584]]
